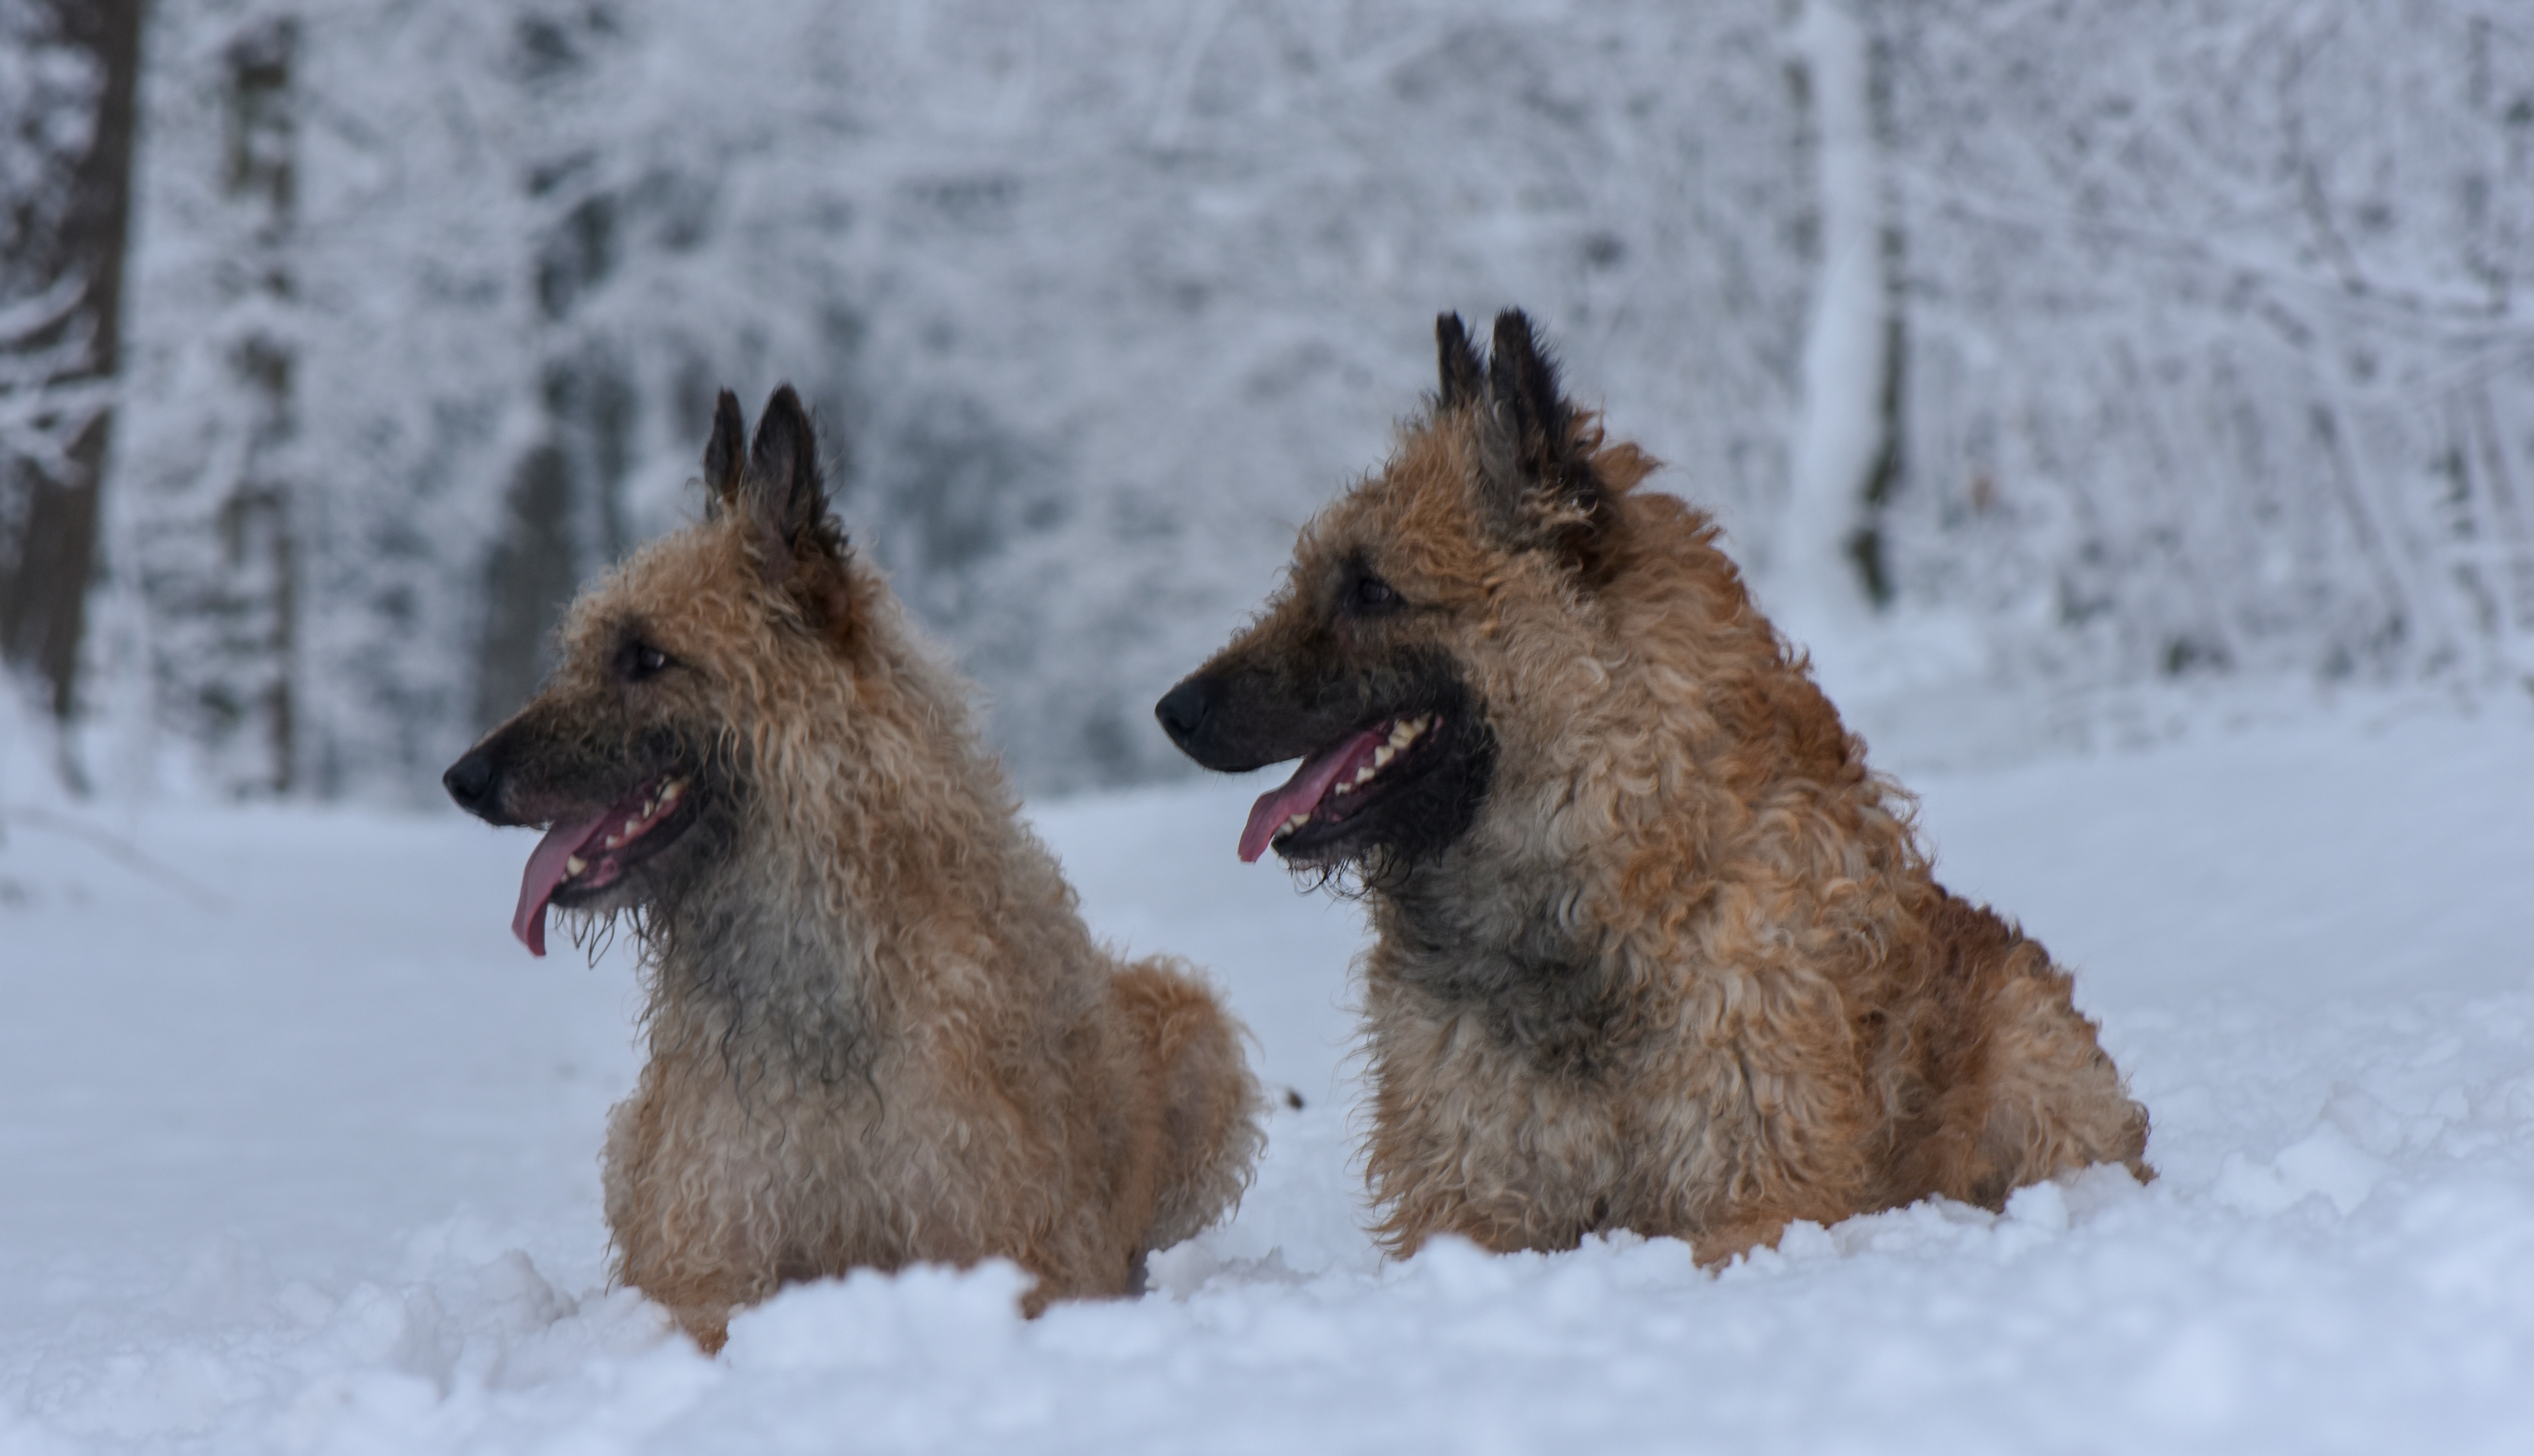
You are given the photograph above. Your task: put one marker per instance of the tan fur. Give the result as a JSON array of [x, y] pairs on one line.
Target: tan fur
[[880, 1032], [1763, 1008]]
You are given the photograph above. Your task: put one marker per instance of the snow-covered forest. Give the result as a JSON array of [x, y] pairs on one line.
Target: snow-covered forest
[[2098, 346], [2063, 372]]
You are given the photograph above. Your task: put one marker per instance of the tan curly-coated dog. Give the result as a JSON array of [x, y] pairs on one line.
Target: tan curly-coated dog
[[1654, 950], [879, 1033]]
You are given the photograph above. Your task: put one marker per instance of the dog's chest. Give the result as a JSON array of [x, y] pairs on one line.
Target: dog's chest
[[800, 1012], [1514, 978]]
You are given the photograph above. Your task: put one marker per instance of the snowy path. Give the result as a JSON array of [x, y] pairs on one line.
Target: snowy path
[[301, 1157]]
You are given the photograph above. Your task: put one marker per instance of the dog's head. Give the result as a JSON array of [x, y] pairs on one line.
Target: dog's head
[[634, 756], [1393, 660]]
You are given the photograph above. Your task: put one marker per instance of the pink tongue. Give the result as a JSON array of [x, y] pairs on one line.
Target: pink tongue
[[545, 872], [1301, 793]]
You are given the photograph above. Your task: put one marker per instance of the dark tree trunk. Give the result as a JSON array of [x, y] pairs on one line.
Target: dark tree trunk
[[72, 249], [258, 520]]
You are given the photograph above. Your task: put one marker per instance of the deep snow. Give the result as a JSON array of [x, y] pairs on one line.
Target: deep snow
[[299, 1154]]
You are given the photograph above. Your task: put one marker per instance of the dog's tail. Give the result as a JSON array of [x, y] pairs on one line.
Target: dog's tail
[[1208, 1104]]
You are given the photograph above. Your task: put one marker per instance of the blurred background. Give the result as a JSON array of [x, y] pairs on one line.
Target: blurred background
[[2031, 353]]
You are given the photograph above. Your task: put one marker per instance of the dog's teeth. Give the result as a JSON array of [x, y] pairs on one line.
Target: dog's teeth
[[613, 841], [1365, 774], [1380, 755], [633, 824], [669, 791], [1296, 822], [572, 866]]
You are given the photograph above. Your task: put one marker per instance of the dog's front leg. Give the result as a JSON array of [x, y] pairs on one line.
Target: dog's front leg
[[678, 1178]]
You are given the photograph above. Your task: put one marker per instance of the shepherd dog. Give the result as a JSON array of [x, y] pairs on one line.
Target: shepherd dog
[[1652, 949], [879, 1033]]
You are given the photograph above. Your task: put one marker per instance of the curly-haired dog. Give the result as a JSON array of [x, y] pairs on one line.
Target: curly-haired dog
[[1654, 950], [880, 1032]]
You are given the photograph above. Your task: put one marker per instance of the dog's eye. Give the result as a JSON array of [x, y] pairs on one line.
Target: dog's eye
[[637, 662], [1371, 594]]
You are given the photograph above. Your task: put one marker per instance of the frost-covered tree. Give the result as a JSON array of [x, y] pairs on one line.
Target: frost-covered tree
[[2138, 341], [68, 69], [1831, 571], [2219, 355], [330, 369], [1097, 301]]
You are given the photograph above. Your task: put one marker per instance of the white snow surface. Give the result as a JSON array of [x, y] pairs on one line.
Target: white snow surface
[[300, 1154]]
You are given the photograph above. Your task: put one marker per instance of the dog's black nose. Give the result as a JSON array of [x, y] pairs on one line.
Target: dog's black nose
[[1182, 710], [470, 782]]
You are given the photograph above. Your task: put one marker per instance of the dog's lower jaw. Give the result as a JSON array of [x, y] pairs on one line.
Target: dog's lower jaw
[[613, 868], [1415, 821]]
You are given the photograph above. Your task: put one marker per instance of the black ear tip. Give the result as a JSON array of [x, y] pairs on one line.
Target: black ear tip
[[1514, 332], [722, 449], [1462, 375], [730, 422], [1520, 356], [785, 425]]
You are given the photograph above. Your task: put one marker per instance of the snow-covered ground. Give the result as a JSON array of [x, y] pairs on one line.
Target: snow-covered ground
[[298, 1152]]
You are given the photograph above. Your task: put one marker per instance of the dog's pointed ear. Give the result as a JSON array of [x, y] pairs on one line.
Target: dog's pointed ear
[[1522, 383], [1537, 451], [725, 454], [777, 490], [1464, 378], [787, 494]]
